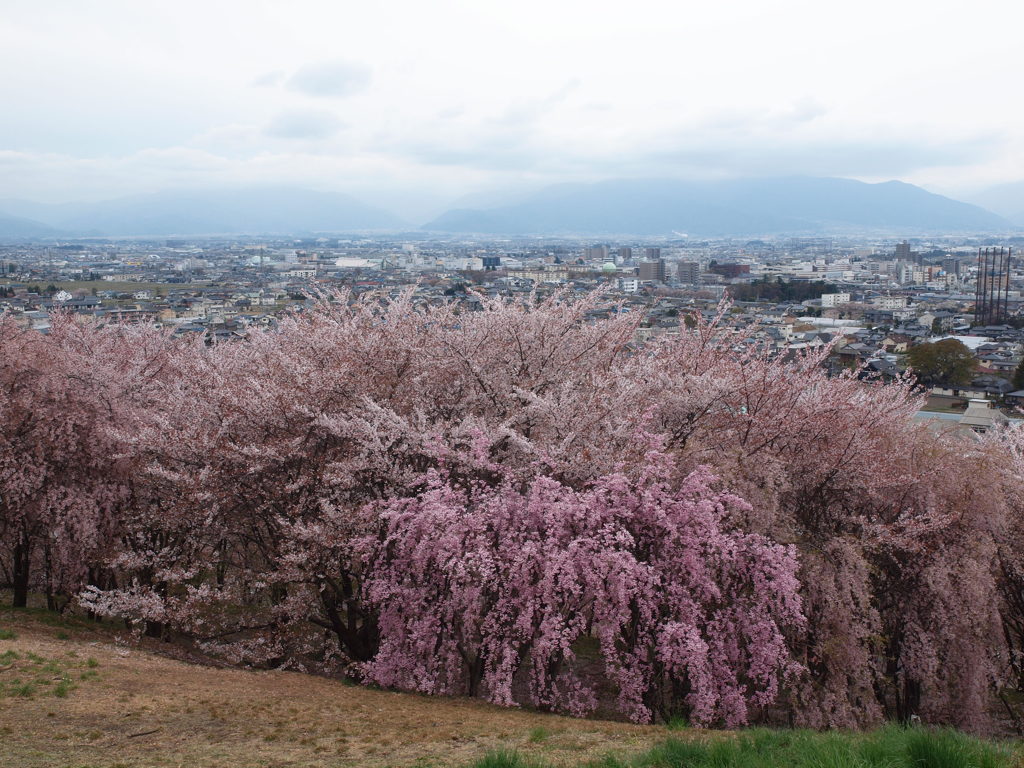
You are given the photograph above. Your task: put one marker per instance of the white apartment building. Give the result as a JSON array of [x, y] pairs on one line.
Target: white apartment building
[[890, 302], [834, 299]]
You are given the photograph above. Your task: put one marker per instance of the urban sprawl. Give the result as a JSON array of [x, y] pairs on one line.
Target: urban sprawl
[[873, 301]]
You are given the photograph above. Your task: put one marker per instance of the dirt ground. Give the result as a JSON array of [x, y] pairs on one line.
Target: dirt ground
[[74, 695]]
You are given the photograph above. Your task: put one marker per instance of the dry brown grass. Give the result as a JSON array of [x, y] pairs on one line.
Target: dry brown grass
[[141, 708]]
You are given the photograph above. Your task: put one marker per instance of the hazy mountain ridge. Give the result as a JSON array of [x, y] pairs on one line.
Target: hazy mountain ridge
[[734, 207], [22, 228], [238, 211], [1007, 200], [794, 205]]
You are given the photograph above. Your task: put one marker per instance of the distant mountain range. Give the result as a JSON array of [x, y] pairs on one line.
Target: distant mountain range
[[734, 207], [260, 210], [19, 228], [742, 207], [1006, 199]]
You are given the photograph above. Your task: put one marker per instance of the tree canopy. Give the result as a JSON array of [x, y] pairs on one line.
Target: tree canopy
[[1018, 376], [775, 289], [944, 363], [522, 504]]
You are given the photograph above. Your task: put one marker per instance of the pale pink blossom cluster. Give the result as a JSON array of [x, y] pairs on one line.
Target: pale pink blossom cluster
[[479, 587]]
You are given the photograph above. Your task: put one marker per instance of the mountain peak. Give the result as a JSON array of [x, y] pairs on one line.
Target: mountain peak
[[743, 207]]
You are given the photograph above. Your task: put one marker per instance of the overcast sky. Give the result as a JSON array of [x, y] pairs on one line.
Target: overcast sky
[[413, 104]]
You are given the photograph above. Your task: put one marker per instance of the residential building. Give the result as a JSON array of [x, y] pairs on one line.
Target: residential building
[[653, 271]]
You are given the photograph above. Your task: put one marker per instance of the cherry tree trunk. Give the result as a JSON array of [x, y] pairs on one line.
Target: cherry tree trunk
[[22, 558]]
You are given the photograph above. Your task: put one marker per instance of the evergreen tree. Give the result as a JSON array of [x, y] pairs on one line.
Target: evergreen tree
[[945, 362], [1018, 376]]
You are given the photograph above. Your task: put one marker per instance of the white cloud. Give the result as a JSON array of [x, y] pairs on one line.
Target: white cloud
[[115, 96], [269, 79], [333, 79], [304, 124]]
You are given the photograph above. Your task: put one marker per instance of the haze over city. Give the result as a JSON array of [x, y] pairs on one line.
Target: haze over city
[[419, 107]]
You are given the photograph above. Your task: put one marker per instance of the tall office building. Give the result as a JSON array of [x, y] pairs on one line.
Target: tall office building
[[903, 251], [625, 254], [652, 271], [652, 254], [688, 272], [951, 266]]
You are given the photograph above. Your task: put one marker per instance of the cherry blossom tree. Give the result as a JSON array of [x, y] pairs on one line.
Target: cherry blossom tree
[[262, 455], [1007, 449], [477, 585], [263, 470], [63, 489], [881, 508]]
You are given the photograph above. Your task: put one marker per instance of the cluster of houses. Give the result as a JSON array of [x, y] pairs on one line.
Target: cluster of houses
[[223, 290], [222, 314]]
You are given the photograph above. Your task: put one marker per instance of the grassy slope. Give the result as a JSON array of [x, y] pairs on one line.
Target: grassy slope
[[137, 708], [73, 695], [889, 747]]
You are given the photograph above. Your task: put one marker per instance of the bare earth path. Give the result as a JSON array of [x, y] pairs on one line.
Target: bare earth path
[[72, 696]]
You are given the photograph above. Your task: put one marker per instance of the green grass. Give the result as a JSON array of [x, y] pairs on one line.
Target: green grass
[[24, 690], [31, 674], [8, 634], [538, 735], [677, 724], [63, 688], [889, 747], [950, 749], [506, 759], [62, 621]]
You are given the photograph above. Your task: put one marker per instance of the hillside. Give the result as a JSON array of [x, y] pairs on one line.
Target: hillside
[[745, 207], [13, 228], [138, 707], [73, 693], [1007, 200], [253, 210]]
